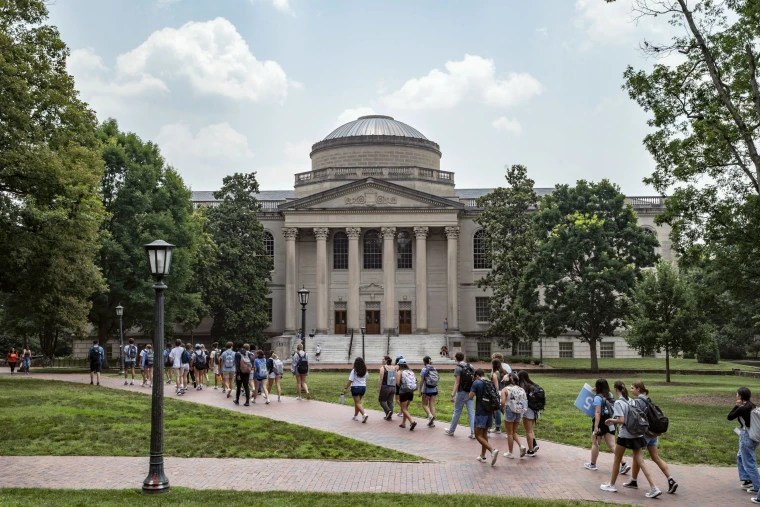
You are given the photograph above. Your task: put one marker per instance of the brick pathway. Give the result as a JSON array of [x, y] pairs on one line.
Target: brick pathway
[[556, 473]]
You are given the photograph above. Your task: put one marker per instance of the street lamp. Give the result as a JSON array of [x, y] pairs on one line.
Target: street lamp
[[160, 260], [303, 298], [119, 313], [364, 331]]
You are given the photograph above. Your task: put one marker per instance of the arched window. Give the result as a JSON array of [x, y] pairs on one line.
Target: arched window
[[340, 251], [269, 243], [479, 253], [404, 250], [649, 231], [373, 250]]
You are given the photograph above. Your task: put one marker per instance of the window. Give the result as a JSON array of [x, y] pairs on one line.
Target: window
[[649, 355], [340, 251], [373, 250], [607, 350], [484, 349], [649, 231], [482, 309], [524, 349], [269, 243], [479, 253], [404, 250], [269, 310], [565, 349]]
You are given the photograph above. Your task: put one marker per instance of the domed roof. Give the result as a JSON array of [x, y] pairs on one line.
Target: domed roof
[[375, 125]]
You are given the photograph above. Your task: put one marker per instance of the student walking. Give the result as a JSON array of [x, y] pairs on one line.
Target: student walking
[[398, 401], [176, 357], [187, 372], [243, 369], [407, 383], [275, 368], [228, 369], [130, 358], [464, 376], [640, 395], [746, 462], [199, 364], [496, 376], [628, 438], [514, 402], [536, 401], [386, 387], [147, 364], [260, 374], [168, 363], [483, 415], [357, 381], [12, 358], [26, 359], [96, 355], [429, 389], [300, 369], [603, 410], [214, 359], [318, 352]]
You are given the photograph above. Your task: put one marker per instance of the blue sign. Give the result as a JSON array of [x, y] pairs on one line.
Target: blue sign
[[585, 400]]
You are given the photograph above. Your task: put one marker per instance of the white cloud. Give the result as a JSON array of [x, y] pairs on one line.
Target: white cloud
[[213, 150], [352, 114], [283, 6], [294, 159], [506, 125], [473, 77], [542, 30], [616, 23]]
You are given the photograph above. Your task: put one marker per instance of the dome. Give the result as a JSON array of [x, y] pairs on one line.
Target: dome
[[375, 125]]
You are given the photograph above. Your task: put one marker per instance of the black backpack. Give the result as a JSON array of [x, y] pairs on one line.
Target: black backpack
[[303, 364], [94, 354], [200, 361], [658, 423], [185, 357], [466, 378], [490, 400], [537, 398]]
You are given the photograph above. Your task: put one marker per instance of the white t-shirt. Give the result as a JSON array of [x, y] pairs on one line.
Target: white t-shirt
[[357, 381], [176, 355], [318, 349], [126, 353]]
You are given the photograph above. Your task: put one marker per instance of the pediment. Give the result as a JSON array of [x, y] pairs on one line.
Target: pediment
[[368, 194]]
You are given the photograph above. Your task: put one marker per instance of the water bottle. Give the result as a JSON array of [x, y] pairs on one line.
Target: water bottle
[[342, 399]]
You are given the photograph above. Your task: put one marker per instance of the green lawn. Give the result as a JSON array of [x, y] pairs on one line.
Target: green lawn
[[638, 363], [66, 419], [699, 432], [188, 497]]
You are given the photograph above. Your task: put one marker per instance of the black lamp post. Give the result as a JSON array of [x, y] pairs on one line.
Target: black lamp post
[[303, 298], [160, 260], [119, 313], [364, 331]]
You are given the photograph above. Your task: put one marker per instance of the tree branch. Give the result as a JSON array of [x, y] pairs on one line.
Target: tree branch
[[753, 78]]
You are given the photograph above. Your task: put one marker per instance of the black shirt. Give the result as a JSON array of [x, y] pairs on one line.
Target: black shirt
[[742, 412]]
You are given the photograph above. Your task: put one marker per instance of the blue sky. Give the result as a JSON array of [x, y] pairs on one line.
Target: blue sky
[[250, 85]]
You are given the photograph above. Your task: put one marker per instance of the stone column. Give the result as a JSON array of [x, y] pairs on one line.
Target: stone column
[[321, 234], [452, 310], [290, 234], [352, 308], [389, 278], [420, 269]]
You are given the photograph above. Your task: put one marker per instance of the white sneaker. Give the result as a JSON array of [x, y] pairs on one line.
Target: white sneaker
[[132, 383], [608, 487], [278, 398], [449, 433], [523, 450], [653, 493], [125, 382], [298, 397], [509, 455], [472, 436], [399, 415], [494, 455], [482, 459], [354, 418], [590, 466], [267, 401]]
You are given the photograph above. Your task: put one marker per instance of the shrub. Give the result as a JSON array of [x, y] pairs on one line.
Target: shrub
[[708, 352]]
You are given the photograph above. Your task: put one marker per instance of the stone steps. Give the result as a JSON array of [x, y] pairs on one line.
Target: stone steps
[[412, 347]]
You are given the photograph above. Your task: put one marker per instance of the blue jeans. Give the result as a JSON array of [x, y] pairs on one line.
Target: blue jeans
[[746, 461], [497, 419], [463, 399]]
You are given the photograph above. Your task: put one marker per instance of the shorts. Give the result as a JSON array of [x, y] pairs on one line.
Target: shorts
[[652, 440], [632, 443], [259, 379], [529, 414], [483, 421], [201, 369], [216, 370], [431, 393], [398, 390], [186, 366], [402, 397], [510, 416], [129, 364], [358, 390], [603, 428], [228, 375], [274, 375], [96, 366]]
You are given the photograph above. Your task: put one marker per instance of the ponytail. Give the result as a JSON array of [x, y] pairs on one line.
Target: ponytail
[[620, 386], [640, 386]]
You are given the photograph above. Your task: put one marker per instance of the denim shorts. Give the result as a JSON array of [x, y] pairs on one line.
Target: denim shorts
[[652, 440], [358, 390], [510, 416], [483, 421]]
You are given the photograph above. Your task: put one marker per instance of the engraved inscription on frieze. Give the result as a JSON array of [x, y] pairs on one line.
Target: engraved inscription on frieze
[[371, 199]]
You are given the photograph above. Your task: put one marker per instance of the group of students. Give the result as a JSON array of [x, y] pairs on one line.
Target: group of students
[[12, 358], [145, 359]]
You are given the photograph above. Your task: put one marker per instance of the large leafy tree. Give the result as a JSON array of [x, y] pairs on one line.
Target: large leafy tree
[[50, 169], [237, 283], [146, 200], [589, 258], [511, 246], [664, 314]]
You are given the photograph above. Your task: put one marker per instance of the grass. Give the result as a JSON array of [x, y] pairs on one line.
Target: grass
[[187, 497], [636, 363], [699, 432], [64, 419]]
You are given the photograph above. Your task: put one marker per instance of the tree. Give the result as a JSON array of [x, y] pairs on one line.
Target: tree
[[590, 255], [50, 168], [511, 245], [146, 200], [664, 315], [238, 281]]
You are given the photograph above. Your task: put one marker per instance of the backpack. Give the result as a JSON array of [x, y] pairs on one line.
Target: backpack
[[537, 398], [303, 364], [754, 425], [635, 420], [261, 367], [245, 363], [390, 376], [431, 377], [278, 368], [229, 359], [94, 354], [466, 378], [185, 357], [490, 399], [408, 381], [149, 359], [517, 400], [132, 352], [217, 357], [200, 361], [168, 361], [658, 423]]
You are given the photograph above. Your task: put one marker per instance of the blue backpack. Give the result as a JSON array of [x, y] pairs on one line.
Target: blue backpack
[[94, 355]]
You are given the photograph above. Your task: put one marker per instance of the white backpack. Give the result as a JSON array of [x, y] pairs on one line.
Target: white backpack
[[517, 400], [278, 367], [408, 381], [754, 425]]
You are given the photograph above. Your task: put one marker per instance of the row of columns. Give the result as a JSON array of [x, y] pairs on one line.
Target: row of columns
[[389, 277]]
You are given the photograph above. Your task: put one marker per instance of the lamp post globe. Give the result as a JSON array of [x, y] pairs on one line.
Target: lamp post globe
[[303, 298], [119, 313], [159, 255]]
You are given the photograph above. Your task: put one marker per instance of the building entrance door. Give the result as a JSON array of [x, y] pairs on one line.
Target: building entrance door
[[373, 321], [404, 322], [340, 321]]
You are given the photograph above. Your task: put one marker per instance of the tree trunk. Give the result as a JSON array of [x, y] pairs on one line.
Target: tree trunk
[[667, 364], [103, 341], [594, 361], [515, 341], [48, 340]]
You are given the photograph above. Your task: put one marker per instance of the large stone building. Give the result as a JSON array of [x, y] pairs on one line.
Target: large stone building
[[382, 238]]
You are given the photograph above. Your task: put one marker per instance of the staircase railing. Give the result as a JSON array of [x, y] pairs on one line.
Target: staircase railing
[[388, 345], [350, 345]]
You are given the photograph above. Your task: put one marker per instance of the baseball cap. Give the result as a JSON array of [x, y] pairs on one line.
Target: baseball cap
[[197, 345], [402, 361], [399, 356]]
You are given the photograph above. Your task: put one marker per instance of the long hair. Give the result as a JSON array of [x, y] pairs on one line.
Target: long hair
[[602, 388], [495, 365], [524, 381], [359, 367], [640, 386], [387, 360], [620, 386], [744, 393]]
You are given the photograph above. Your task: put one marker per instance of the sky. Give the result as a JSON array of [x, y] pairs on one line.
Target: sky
[[249, 85]]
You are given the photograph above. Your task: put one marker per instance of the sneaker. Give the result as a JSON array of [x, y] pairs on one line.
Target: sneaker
[[388, 416], [750, 490], [509, 455], [126, 383], [590, 466], [754, 499], [535, 448], [432, 425], [412, 426], [523, 450], [229, 393], [365, 419], [247, 404], [399, 415], [430, 421], [236, 402], [746, 484], [449, 433], [494, 455], [298, 397], [624, 468], [133, 383], [168, 381], [267, 401], [498, 431], [531, 454], [97, 384], [472, 436], [608, 487], [673, 486], [631, 484], [215, 388], [354, 418], [653, 493], [482, 459], [402, 426]]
